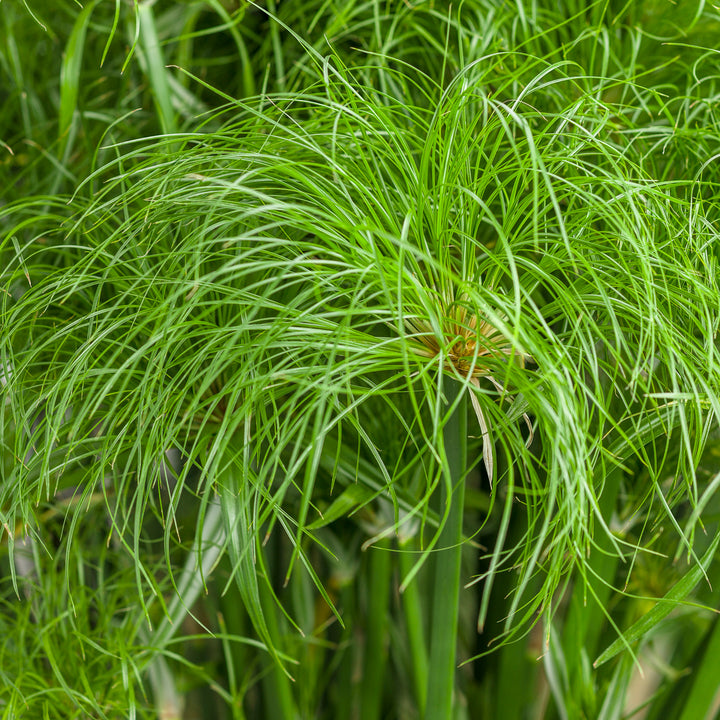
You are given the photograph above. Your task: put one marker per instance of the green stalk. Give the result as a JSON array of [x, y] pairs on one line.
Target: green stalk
[[375, 658], [277, 687], [344, 694], [278, 54], [157, 73], [412, 612], [586, 619], [446, 592], [704, 685]]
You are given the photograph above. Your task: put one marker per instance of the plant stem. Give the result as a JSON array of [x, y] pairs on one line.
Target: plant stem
[[277, 688], [446, 592], [412, 611], [375, 659], [703, 682]]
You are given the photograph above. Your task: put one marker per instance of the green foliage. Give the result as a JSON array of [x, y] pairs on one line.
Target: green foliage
[[307, 303]]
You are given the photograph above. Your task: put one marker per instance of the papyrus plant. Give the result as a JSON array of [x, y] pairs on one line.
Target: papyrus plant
[[345, 289]]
